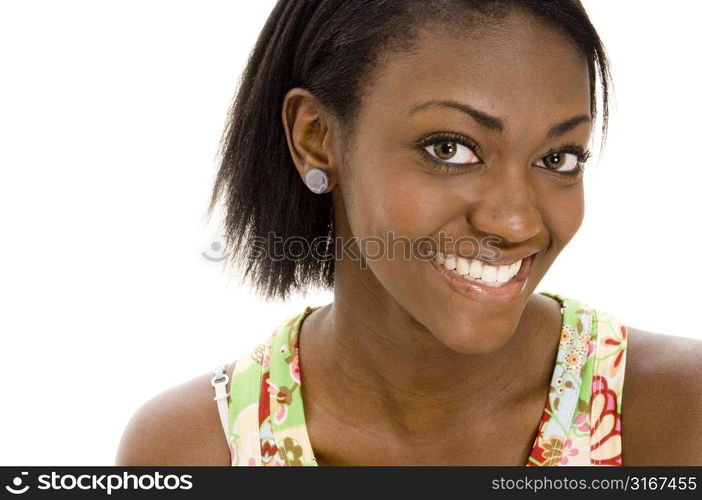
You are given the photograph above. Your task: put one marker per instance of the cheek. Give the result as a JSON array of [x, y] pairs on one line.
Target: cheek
[[564, 211], [386, 198], [407, 203]]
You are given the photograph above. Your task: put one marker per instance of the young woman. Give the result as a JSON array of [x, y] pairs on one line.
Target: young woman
[[459, 129]]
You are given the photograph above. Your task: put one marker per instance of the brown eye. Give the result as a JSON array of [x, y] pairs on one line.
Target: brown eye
[[554, 160], [560, 161], [445, 151]]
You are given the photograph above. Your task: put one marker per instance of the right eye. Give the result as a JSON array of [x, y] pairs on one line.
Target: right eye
[[445, 151]]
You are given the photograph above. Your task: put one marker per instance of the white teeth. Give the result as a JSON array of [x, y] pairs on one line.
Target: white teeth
[[486, 274], [489, 273], [476, 269], [514, 268], [462, 265], [503, 274]]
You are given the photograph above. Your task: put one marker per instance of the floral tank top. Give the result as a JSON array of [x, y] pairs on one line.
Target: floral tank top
[[580, 423]]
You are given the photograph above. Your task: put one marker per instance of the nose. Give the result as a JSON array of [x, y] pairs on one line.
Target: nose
[[506, 206]]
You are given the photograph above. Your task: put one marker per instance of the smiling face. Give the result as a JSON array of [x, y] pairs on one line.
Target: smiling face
[[488, 164]]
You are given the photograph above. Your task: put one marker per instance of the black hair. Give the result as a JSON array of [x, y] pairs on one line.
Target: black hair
[[329, 47]]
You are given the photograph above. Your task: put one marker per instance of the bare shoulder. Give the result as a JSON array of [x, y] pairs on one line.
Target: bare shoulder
[[180, 426], [662, 400]]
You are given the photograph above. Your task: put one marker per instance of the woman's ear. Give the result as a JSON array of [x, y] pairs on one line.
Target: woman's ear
[[310, 132]]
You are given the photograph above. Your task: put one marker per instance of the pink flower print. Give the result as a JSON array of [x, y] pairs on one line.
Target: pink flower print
[[281, 412], [568, 451], [581, 424], [272, 388], [605, 448], [583, 353], [295, 368], [590, 349], [266, 363]]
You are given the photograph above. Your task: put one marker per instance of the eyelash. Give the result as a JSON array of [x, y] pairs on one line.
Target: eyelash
[[439, 137]]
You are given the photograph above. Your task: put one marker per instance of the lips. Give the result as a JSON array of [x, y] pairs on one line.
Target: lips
[[480, 292]]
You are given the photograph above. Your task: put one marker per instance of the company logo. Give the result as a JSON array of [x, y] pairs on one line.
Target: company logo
[[17, 482], [105, 482]]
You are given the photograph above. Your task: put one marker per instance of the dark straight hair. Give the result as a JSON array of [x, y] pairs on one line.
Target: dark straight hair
[[330, 47]]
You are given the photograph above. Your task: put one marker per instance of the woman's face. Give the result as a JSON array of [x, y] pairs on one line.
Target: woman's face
[[511, 198]]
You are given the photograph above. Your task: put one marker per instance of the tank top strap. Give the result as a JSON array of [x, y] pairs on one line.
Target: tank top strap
[[562, 437], [245, 390], [581, 423], [266, 422], [606, 390]]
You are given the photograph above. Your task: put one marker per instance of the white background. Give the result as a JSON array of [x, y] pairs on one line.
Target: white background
[[110, 115]]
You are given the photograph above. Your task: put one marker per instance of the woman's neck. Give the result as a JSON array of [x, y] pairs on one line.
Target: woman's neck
[[366, 361]]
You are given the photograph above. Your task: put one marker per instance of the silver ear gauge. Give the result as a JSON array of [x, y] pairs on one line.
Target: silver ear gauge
[[317, 180]]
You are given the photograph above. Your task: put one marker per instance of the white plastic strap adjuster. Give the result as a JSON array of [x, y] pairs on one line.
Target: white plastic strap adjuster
[[219, 382]]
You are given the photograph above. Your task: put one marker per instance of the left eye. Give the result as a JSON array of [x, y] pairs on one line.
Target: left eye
[[559, 161], [446, 151]]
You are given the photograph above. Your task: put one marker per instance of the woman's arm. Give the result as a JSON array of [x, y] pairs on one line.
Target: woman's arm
[[662, 400]]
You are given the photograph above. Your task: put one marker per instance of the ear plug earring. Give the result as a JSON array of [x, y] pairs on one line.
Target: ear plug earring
[[317, 180]]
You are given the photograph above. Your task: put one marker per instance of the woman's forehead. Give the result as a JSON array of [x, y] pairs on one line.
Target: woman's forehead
[[522, 67]]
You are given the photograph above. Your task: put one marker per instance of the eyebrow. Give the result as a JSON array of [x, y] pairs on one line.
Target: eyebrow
[[494, 123]]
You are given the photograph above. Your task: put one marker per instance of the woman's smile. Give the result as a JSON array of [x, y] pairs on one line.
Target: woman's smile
[[496, 284]]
